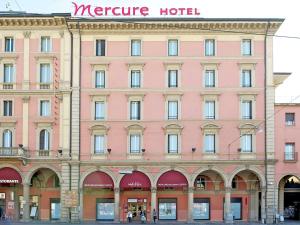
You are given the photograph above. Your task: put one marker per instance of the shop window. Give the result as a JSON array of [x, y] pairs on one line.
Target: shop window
[[201, 209], [167, 209], [105, 209]]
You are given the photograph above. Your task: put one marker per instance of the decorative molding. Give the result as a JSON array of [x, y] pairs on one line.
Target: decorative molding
[[26, 99], [41, 56], [130, 65], [27, 34], [135, 127], [8, 56], [173, 93], [169, 64], [32, 21], [95, 64], [210, 63], [173, 127]]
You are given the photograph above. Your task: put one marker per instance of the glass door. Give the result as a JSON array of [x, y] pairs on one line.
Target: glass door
[[54, 208]]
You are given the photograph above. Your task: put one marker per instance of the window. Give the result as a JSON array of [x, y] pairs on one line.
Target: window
[[289, 151], [210, 78], [100, 47], [246, 143], [209, 47], [247, 110], [135, 47], [172, 110], [210, 143], [135, 110], [45, 108], [45, 44], [100, 79], [7, 108], [210, 110], [172, 78], [99, 144], [99, 110], [44, 140], [135, 143], [200, 182], [7, 139], [9, 44], [173, 47], [172, 143], [246, 78], [45, 76], [289, 119], [246, 47], [135, 79], [234, 183], [8, 73]]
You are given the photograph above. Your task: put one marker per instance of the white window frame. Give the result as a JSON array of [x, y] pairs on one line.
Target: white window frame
[[12, 107], [207, 151], [168, 143], [41, 127], [242, 47], [168, 48], [290, 123], [99, 67], [102, 117], [95, 47], [140, 78], [242, 78], [94, 99], [248, 97], [49, 45], [101, 131], [133, 98], [38, 77], [94, 144], [131, 47], [243, 138], [170, 110], [13, 41], [172, 66], [215, 47], [170, 98], [49, 141], [40, 107], [139, 150], [289, 151]]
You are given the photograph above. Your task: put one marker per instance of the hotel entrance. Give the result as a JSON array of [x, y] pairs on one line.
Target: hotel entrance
[[136, 206]]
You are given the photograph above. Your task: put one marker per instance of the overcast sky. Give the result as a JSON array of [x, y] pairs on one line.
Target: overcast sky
[[286, 50]]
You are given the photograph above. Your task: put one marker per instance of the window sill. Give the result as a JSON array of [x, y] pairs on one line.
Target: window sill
[[247, 155], [173, 156], [99, 156], [134, 156], [209, 156]]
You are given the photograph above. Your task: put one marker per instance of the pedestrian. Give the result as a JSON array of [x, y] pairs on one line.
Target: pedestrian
[[154, 214], [129, 216], [143, 216]]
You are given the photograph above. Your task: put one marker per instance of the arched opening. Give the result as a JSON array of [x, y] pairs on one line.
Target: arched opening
[[208, 196], [289, 197], [45, 195], [135, 196], [246, 196], [10, 190], [172, 196], [98, 197]]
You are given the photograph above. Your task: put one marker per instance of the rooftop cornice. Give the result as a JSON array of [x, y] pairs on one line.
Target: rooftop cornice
[[32, 22]]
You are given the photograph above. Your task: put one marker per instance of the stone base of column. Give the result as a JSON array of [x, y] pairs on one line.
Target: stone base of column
[[229, 218]]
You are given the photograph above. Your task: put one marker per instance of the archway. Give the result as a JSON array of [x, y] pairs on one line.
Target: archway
[[135, 195], [10, 190], [209, 187], [45, 195], [289, 197], [246, 196], [98, 197]]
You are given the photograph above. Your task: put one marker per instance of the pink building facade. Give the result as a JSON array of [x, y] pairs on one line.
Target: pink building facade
[[110, 117]]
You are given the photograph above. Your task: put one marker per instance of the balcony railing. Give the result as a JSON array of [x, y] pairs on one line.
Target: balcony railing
[[291, 156], [45, 85], [8, 86], [13, 152]]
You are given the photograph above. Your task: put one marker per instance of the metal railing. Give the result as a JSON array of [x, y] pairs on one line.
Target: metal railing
[[13, 152]]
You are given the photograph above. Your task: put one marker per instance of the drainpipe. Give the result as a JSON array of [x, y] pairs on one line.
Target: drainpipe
[[265, 123]]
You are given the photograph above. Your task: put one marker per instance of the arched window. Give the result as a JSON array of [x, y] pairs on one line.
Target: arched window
[[200, 182], [7, 139], [234, 183], [44, 140]]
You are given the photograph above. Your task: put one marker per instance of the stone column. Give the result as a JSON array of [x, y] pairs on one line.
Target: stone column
[[263, 204], [26, 196], [26, 60], [281, 198], [81, 204], [227, 208], [25, 115], [64, 187], [153, 199], [117, 204], [190, 204]]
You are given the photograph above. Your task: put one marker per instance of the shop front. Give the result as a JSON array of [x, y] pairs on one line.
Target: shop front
[[10, 190], [98, 197], [135, 196], [172, 196]]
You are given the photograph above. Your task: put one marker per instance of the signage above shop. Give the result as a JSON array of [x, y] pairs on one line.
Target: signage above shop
[[9, 176], [98, 179], [104, 10]]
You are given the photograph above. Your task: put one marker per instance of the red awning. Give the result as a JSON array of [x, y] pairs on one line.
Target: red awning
[[9, 176], [135, 180], [172, 179], [98, 179]]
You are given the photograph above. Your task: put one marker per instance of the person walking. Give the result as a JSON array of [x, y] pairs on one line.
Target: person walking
[[154, 214], [129, 216]]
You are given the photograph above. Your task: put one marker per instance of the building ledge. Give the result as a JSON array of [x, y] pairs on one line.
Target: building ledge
[[279, 78]]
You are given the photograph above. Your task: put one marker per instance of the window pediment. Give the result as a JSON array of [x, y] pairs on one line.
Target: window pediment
[[173, 127], [99, 128], [135, 127], [251, 128], [210, 127]]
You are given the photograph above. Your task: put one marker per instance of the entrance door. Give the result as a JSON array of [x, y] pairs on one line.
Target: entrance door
[[2, 208], [136, 206], [54, 208]]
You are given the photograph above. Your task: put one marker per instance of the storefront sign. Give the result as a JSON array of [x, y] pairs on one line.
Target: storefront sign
[[135, 180], [172, 179], [9, 176], [71, 199], [98, 179], [9, 181], [104, 10]]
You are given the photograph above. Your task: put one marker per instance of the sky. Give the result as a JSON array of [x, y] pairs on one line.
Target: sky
[[286, 50]]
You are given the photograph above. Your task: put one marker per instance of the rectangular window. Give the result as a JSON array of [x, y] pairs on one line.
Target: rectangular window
[[7, 108], [289, 151], [135, 47], [210, 113], [173, 47], [100, 47], [172, 78], [201, 209], [8, 77], [100, 79], [290, 119], [99, 110], [135, 143], [45, 76], [172, 110], [135, 110], [172, 143], [45, 44], [167, 209], [246, 78], [210, 143], [247, 143], [210, 79], [135, 79], [45, 108], [9, 44], [247, 110], [99, 144], [209, 47], [246, 47]]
